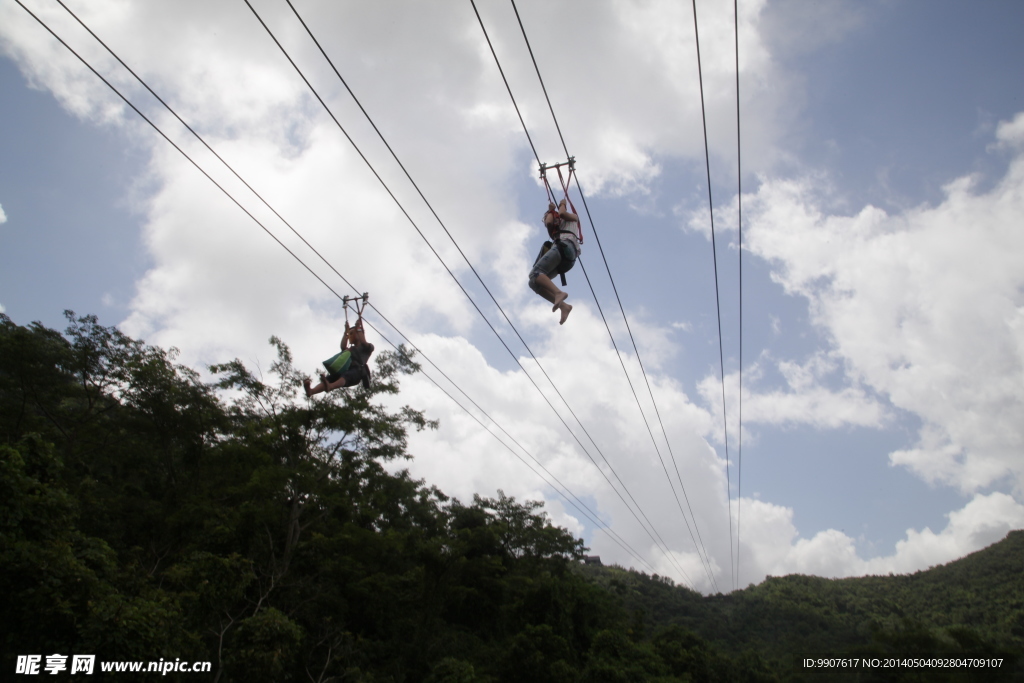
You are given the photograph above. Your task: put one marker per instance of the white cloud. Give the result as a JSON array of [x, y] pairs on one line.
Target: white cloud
[[816, 406], [3, 216], [49, 66], [771, 545], [983, 521], [808, 399], [1011, 133], [925, 307]]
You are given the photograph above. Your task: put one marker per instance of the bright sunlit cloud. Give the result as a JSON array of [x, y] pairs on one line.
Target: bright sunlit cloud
[[924, 307]]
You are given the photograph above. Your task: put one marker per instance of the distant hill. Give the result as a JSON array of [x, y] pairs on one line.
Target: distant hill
[[972, 606]]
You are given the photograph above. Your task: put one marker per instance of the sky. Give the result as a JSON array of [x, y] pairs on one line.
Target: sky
[[881, 157]]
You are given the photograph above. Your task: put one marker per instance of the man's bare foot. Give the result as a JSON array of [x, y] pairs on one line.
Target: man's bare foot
[[305, 385], [559, 298], [566, 310]]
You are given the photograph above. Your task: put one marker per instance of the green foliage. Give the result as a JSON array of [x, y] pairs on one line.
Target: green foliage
[[50, 571], [451, 670], [538, 653], [264, 647], [147, 514], [615, 658], [967, 608]]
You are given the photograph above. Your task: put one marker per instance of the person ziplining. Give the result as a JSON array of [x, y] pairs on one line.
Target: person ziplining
[[351, 365], [559, 254]]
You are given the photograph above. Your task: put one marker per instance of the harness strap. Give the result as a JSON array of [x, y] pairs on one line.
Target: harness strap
[[547, 186], [565, 189]]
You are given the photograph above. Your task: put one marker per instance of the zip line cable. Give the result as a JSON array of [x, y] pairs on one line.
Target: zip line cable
[[598, 524], [582, 507], [615, 289], [704, 558], [718, 307], [704, 563], [739, 224], [593, 516], [466, 293], [179, 149]]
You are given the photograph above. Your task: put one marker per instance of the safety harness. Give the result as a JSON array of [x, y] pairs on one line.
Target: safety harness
[[341, 362], [554, 234]]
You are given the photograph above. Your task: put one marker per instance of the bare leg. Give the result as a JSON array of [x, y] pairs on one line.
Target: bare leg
[[543, 285], [323, 386], [547, 289], [336, 385], [565, 309], [318, 389]]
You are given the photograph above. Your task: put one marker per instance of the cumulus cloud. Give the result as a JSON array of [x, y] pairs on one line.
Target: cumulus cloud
[[3, 216], [772, 546], [809, 398], [1011, 133], [924, 307], [49, 66]]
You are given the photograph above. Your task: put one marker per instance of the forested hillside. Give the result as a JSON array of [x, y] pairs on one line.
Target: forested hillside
[[146, 514], [973, 607]]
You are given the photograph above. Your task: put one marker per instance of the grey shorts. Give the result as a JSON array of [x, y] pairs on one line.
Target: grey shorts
[[352, 376], [560, 258]]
